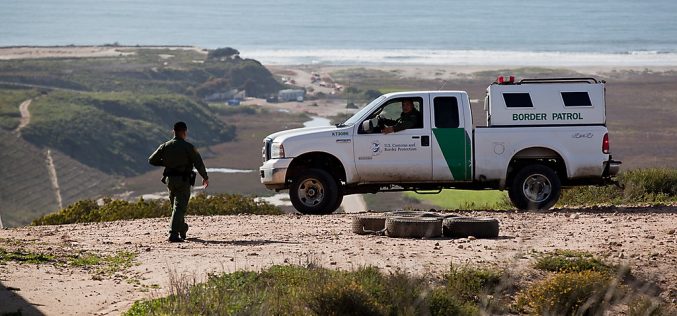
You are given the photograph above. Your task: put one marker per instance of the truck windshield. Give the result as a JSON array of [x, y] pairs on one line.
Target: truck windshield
[[356, 117]]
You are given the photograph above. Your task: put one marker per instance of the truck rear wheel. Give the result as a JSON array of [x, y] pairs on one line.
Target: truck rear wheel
[[535, 187], [315, 191]]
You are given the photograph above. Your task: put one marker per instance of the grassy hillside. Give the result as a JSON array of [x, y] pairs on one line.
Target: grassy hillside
[[116, 132], [9, 106], [27, 191], [110, 113], [101, 117], [146, 71]]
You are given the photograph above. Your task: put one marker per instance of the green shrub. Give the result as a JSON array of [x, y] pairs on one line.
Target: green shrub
[[225, 52], [89, 211], [570, 293], [465, 290], [344, 297], [572, 261], [295, 290], [646, 306], [441, 303], [230, 204], [655, 185]]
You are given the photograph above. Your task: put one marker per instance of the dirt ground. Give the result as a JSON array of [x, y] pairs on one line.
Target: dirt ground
[[642, 237]]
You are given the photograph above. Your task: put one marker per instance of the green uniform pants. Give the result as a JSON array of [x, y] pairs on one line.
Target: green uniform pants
[[179, 194]]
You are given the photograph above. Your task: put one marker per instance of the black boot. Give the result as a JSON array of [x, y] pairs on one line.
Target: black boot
[[174, 237], [182, 233]]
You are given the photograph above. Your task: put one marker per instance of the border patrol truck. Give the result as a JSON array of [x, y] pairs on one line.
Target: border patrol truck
[[540, 135]]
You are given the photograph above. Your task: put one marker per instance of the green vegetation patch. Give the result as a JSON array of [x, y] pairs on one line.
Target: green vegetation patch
[[465, 199], [116, 132], [86, 211], [25, 256], [294, 290], [572, 261], [654, 185], [467, 291], [100, 264], [9, 106], [643, 305], [570, 293], [103, 265]]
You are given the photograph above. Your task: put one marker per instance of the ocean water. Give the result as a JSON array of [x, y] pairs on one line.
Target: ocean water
[[364, 31]]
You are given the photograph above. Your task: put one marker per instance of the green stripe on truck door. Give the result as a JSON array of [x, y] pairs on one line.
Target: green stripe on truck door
[[455, 146]]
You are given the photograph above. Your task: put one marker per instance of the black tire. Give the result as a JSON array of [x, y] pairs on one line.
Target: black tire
[[535, 187], [315, 191], [404, 214], [339, 199], [413, 227], [418, 214], [460, 227], [368, 224]]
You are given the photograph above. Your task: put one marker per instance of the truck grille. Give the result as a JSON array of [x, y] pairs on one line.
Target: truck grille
[[265, 151]]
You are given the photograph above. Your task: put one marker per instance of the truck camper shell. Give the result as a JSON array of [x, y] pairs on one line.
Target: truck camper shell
[[545, 102]]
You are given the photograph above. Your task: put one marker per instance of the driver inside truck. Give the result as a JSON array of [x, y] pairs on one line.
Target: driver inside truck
[[410, 118]]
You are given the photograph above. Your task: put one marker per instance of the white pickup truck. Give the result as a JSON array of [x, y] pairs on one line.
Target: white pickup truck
[[541, 134]]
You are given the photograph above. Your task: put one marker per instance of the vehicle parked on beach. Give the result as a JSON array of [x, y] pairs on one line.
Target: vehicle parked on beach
[[540, 135]]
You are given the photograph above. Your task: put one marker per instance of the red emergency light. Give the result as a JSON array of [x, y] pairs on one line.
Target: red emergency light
[[504, 80]]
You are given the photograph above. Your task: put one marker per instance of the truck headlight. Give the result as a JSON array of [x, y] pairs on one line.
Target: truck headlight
[[277, 150]]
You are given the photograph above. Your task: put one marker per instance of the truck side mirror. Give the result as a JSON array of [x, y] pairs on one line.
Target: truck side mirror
[[366, 126]]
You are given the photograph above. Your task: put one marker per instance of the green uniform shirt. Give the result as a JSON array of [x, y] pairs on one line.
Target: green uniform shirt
[[178, 154]]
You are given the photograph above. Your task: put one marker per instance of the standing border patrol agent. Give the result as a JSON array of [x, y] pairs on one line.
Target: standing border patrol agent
[[179, 157]]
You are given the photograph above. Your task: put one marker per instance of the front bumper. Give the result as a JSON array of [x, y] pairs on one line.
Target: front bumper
[[274, 173]]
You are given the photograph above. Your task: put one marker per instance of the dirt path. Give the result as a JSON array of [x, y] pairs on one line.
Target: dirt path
[[25, 116], [644, 238], [54, 179]]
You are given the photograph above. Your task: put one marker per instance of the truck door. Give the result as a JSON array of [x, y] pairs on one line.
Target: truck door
[[403, 156], [451, 146]]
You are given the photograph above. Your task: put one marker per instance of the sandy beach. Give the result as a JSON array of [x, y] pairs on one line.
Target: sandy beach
[[34, 52]]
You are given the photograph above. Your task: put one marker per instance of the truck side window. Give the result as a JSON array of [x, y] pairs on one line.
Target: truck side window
[[446, 112], [517, 100], [576, 99]]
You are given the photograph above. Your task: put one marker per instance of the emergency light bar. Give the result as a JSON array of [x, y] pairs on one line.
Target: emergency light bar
[[502, 80]]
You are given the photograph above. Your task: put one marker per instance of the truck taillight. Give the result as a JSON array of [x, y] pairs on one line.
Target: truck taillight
[[605, 144], [503, 80]]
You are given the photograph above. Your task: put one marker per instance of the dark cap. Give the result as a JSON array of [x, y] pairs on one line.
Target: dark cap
[[180, 127]]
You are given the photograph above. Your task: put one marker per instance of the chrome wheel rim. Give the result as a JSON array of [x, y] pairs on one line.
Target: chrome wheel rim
[[537, 188], [311, 192]]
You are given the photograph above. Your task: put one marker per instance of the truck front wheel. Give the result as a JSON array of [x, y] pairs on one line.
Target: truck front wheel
[[315, 191], [535, 187]]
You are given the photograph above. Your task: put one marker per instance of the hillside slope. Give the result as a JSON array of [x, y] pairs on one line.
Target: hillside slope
[[116, 132], [28, 188]]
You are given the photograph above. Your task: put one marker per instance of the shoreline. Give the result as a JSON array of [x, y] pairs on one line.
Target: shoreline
[[461, 62], [80, 51]]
